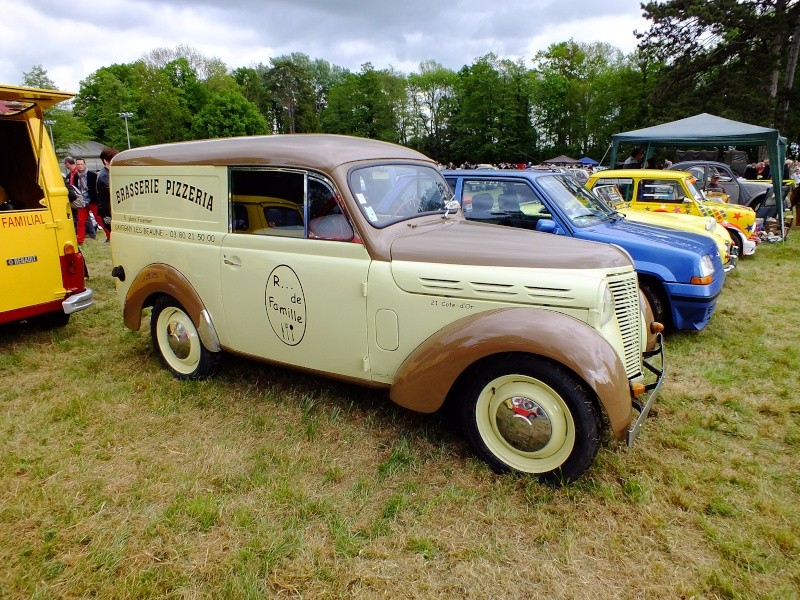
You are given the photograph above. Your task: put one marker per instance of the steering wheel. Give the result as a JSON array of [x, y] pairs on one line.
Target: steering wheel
[[400, 212]]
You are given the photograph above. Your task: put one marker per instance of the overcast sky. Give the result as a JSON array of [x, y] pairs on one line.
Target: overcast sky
[[71, 40]]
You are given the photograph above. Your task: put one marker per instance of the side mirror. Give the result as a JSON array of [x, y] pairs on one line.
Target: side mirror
[[548, 226]]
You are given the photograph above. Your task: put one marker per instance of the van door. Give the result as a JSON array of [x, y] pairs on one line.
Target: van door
[[30, 266], [288, 296]]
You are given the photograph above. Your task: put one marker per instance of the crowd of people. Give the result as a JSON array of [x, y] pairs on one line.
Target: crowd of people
[[89, 195]]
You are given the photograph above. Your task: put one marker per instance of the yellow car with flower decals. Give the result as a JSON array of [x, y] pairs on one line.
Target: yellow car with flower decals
[[708, 226], [677, 192]]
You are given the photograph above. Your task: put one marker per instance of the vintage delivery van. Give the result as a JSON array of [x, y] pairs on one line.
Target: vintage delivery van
[[41, 267], [348, 257]]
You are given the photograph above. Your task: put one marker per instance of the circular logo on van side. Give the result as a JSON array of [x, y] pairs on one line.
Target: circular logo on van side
[[286, 305]]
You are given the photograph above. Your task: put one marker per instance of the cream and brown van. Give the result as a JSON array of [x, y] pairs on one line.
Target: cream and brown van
[[348, 257], [41, 267]]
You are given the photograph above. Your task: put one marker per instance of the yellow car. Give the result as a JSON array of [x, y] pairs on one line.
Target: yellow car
[[611, 195], [667, 191]]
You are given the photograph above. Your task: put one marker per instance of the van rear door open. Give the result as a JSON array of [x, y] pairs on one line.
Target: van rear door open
[[41, 269]]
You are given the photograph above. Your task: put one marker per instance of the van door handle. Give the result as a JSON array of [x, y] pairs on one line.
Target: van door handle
[[234, 261]]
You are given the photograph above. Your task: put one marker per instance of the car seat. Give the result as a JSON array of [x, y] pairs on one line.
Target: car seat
[[482, 204], [240, 220], [508, 203]]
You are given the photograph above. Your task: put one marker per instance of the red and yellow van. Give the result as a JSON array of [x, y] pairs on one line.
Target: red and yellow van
[[41, 267]]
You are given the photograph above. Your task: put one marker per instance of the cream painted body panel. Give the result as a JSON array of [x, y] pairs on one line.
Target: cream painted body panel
[[421, 312], [154, 223], [297, 301]]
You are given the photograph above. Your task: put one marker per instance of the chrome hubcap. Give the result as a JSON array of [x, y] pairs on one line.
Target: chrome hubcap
[[179, 341], [523, 423]]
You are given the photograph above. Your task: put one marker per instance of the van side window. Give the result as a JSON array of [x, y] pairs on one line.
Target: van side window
[[326, 221], [267, 202], [18, 174], [276, 202]]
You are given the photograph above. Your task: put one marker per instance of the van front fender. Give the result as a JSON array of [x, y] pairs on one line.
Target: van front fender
[[429, 373], [157, 279]]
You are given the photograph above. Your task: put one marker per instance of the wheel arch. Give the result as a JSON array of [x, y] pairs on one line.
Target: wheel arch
[[159, 279], [738, 236], [656, 285], [430, 373]]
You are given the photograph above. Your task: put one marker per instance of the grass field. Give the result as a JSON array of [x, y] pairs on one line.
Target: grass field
[[117, 481]]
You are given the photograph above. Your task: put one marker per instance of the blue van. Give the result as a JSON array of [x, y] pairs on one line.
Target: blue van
[[680, 273]]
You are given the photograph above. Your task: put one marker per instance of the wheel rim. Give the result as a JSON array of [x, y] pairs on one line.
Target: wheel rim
[[178, 340], [525, 423]]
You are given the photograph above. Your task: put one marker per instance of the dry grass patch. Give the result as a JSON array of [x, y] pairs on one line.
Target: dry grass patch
[[117, 481]]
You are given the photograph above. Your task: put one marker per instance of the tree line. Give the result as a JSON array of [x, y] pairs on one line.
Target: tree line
[[732, 58]]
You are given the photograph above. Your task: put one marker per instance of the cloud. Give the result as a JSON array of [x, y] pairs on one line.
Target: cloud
[[73, 43]]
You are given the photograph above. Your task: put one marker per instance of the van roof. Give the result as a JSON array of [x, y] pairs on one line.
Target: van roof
[[322, 152], [24, 97]]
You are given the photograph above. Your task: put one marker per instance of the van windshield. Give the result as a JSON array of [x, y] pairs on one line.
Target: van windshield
[[388, 194]]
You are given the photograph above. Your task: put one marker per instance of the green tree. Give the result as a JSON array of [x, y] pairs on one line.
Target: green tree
[[253, 85], [368, 104], [37, 77], [431, 95], [477, 112], [517, 136], [294, 100], [584, 93], [227, 114], [103, 96], [60, 121], [734, 58]]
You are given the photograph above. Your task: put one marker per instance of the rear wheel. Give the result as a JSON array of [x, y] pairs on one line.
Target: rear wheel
[[177, 341], [52, 320], [529, 415]]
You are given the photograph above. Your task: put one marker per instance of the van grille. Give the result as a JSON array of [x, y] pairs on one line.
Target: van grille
[[625, 291]]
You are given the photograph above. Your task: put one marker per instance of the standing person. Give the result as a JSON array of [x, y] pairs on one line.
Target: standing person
[[72, 183], [87, 184], [104, 186], [766, 173]]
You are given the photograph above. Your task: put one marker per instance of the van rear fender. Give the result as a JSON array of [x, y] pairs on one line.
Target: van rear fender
[[159, 279], [428, 375]]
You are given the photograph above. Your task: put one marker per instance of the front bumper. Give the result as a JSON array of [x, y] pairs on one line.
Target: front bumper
[[644, 403], [748, 247], [79, 301], [734, 258], [692, 305]]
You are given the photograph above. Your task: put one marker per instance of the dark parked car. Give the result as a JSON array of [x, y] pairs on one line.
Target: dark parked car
[[758, 195]]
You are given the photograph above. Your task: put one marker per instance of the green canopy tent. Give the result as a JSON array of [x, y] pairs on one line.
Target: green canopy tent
[[709, 130]]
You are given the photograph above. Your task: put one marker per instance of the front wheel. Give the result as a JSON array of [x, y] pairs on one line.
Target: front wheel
[[177, 341], [530, 415], [737, 240], [658, 305]]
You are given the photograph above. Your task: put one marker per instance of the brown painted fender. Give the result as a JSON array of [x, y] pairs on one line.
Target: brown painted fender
[[164, 279], [427, 375]]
